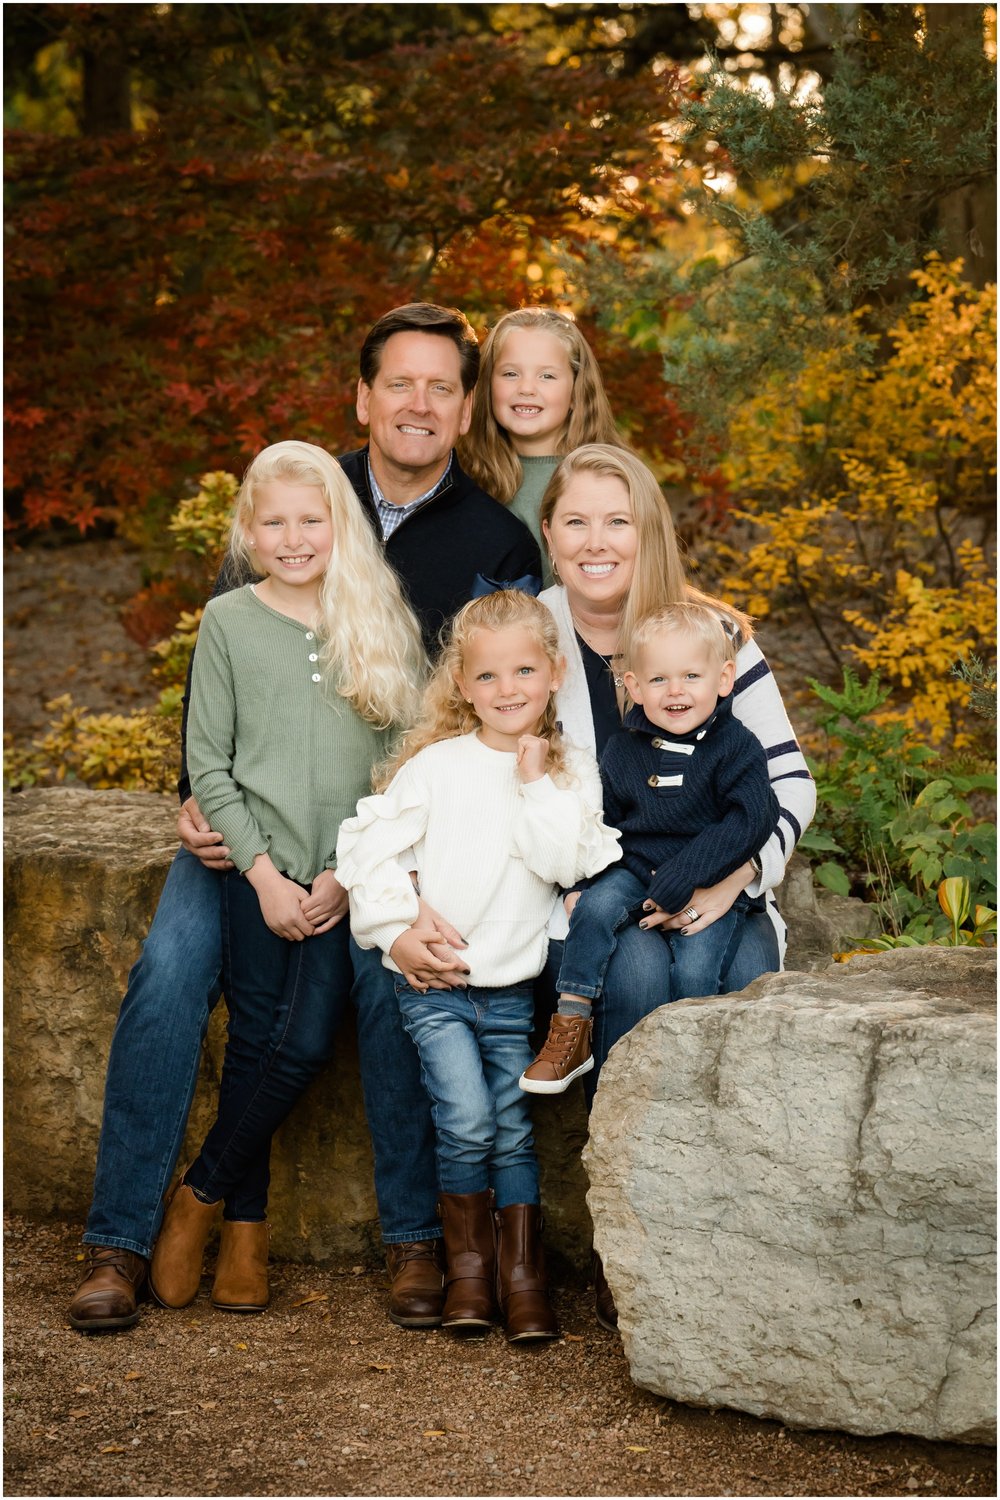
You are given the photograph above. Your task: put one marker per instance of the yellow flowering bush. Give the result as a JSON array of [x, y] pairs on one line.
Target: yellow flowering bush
[[868, 500], [139, 751]]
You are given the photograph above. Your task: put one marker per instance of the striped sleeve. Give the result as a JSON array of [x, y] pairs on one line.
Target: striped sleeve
[[757, 704]]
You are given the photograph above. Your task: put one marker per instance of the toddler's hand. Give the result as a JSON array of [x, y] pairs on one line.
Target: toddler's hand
[[532, 755], [569, 902]]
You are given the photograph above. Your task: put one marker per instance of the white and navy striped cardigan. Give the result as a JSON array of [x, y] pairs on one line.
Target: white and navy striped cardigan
[[756, 703]]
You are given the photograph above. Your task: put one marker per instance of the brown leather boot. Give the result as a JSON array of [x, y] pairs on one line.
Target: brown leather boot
[[241, 1283], [521, 1285], [470, 1259], [416, 1283], [179, 1252], [108, 1295], [604, 1302]]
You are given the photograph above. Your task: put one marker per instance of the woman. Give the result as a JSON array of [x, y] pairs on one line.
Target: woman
[[613, 550]]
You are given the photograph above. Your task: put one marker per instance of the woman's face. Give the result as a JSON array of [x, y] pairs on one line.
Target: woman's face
[[593, 539]]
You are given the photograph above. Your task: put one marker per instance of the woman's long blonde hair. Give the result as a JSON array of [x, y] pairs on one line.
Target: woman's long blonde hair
[[371, 650], [658, 577], [445, 714], [487, 452]]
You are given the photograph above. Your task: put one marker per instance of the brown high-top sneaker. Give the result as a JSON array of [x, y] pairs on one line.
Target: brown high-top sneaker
[[108, 1295], [566, 1055]]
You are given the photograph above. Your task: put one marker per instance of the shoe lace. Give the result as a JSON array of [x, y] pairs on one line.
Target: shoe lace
[[560, 1041], [100, 1256], [413, 1250]]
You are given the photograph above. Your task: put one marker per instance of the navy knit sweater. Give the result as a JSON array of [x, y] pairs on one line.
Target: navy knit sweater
[[691, 807]]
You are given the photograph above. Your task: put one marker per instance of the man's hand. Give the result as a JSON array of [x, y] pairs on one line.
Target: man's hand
[[199, 839], [326, 904]]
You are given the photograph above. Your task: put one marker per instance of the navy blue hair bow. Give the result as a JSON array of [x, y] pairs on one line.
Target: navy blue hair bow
[[529, 584]]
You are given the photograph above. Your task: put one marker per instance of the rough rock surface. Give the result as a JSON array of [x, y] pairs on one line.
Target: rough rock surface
[[83, 871], [793, 1191], [819, 922]]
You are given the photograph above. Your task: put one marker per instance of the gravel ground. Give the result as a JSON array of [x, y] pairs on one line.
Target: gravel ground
[[323, 1396]]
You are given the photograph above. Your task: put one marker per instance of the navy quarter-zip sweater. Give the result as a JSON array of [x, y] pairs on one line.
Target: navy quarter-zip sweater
[[437, 553], [691, 807]]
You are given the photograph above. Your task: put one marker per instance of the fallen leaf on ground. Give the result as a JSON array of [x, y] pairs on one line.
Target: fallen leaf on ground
[[376, 1366], [207, 1405], [132, 1375], [80, 1411], [241, 1346], [113, 1448], [434, 1432], [312, 1297], [574, 1338], [631, 1448]]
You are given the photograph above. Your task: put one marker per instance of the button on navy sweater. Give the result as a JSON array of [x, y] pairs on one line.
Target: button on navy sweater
[[691, 807]]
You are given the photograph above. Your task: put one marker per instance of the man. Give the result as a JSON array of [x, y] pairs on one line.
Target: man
[[446, 540]]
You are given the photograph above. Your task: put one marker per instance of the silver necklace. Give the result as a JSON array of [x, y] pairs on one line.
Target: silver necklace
[[614, 656]]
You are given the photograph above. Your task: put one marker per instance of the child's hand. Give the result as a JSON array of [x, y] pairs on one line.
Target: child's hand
[[280, 900], [532, 757], [326, 904], [569, 902]]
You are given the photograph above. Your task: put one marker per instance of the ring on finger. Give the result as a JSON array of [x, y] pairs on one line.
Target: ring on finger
[[691, 914]]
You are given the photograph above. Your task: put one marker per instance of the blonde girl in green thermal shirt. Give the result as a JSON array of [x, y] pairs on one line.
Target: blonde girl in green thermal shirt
[[298, 680], [539, 395]]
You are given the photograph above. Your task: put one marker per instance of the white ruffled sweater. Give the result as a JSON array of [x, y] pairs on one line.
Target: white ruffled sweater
[[490, 851]]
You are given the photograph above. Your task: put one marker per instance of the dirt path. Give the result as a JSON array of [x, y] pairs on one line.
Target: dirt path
[[323, 1396]]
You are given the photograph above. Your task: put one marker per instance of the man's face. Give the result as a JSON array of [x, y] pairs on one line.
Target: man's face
[[415, 407]]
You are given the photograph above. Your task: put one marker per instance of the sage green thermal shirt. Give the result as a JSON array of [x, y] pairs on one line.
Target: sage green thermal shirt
[[277, 761]]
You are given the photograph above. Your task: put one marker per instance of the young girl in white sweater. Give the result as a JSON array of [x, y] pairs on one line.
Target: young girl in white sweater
[[493, 813]]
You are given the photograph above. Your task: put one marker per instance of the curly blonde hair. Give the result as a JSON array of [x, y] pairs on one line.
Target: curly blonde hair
[[487, 452], [372, 654], [445, 714], [658, 578]]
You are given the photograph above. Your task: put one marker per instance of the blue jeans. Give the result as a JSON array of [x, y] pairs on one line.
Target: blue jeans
[[637, 981], [473, 1047], [153, 1070], [286, 1002], [699, 963]]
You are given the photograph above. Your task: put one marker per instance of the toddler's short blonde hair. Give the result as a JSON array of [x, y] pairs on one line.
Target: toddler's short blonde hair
[[685, 618]]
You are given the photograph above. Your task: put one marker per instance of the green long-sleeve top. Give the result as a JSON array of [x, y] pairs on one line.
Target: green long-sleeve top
[[277, 761], [535, 475]]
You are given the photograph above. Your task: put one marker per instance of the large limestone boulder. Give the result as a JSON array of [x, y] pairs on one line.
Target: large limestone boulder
[[83, 871], [793, 1191]]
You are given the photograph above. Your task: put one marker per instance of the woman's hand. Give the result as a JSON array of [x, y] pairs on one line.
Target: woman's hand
[[569, 902], [532, 756], [710, 903], [326, 904], [199, 839], [280, 900]]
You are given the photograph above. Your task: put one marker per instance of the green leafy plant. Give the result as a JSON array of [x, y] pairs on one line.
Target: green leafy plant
[[895, 823]]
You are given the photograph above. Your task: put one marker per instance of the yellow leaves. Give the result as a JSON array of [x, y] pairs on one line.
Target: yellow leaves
[[132, 1375], [312, 1297]]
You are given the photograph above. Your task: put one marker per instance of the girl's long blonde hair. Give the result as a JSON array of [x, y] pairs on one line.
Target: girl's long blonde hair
[[371, 651], [658, 577], [487, 452], [445, 714]]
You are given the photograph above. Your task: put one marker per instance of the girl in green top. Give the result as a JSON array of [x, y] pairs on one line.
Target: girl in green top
[[539, 395], [297, 680]]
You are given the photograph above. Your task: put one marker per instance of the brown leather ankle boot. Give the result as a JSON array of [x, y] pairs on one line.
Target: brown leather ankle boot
[[521, 1285], [241, 1283], [179, 1252], [108, 1295], [470, 1254]]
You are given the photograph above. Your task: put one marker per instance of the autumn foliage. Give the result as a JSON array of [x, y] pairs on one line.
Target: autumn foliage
[[178, 298]]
